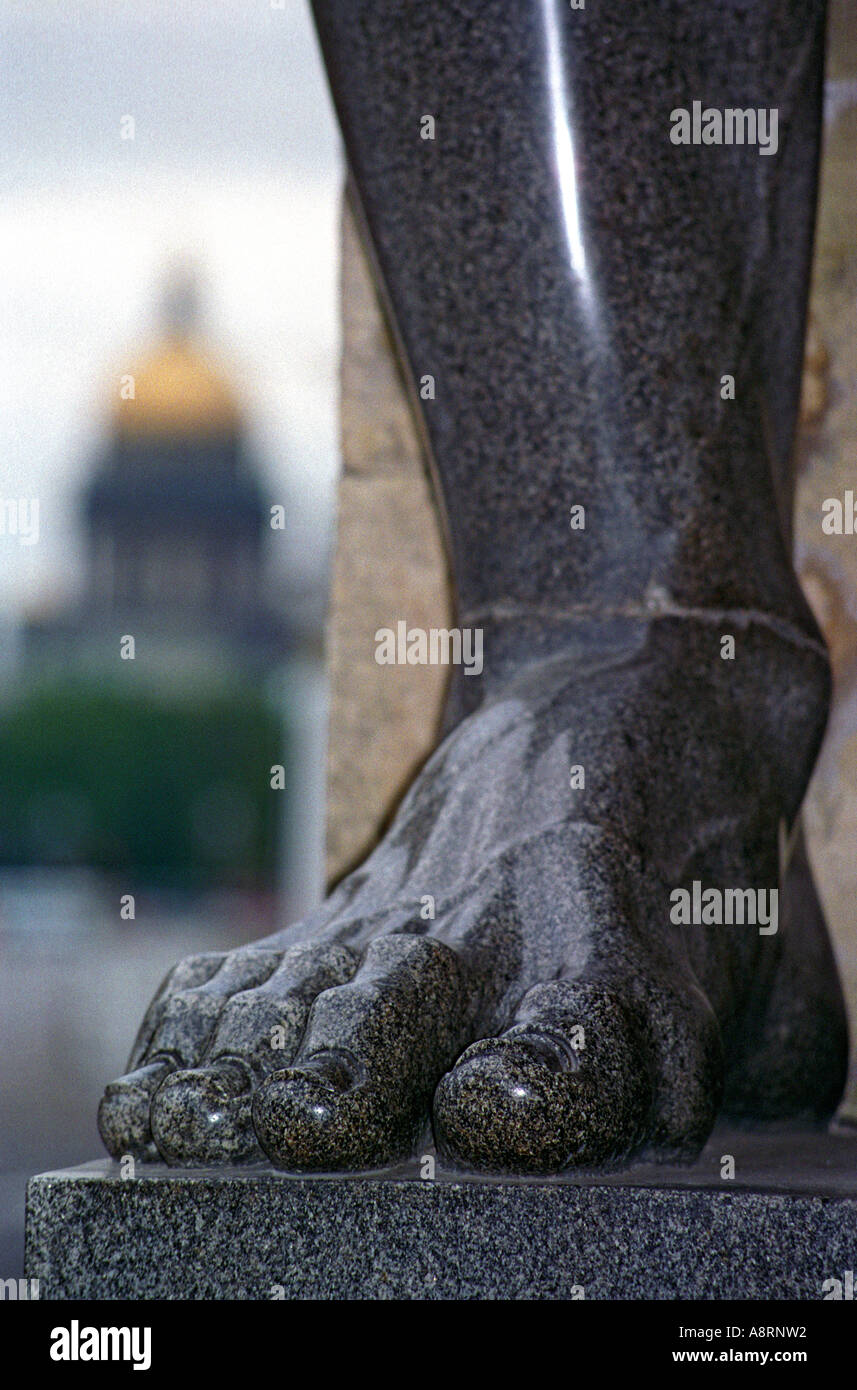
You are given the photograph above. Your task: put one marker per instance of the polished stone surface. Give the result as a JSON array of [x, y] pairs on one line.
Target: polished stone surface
[[783, 1226], [389, 559], [505, 965], [576, 284]]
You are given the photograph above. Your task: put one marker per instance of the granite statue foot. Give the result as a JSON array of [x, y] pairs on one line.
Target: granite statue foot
[[510, 964], [538, 959]]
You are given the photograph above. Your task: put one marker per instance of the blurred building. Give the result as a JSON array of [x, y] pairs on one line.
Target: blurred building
[[146, 716], [176, 522]]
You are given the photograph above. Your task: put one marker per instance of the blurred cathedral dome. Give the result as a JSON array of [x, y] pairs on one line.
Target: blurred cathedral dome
[[176, 390], [175, 509]]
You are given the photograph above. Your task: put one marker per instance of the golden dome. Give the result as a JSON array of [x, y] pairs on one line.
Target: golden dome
[[175, 390]]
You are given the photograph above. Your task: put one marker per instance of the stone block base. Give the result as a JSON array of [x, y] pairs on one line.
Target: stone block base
[[783, 1226]]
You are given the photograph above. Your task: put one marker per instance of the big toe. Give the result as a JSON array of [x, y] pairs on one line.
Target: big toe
[[569, 1085]]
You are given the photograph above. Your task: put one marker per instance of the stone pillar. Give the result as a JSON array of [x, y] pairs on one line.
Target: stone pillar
[[390, 565]]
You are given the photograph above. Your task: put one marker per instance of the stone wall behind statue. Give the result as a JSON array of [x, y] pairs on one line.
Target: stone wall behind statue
[[389, 564], [827, 464]]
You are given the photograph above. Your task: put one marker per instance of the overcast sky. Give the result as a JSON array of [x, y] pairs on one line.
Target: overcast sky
[[236, 160]]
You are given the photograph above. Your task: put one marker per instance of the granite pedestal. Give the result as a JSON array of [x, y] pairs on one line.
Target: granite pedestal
[[783, 1226]]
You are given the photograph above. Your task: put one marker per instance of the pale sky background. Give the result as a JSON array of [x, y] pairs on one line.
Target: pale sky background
[[235, 161]]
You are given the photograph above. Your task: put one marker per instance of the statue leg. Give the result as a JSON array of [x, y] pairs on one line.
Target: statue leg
[[585, 927]]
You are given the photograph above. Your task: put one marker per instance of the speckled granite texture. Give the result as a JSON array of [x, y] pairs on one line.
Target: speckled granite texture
[[505, 966], [576, 284], [784, 1225], [400, 569]]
